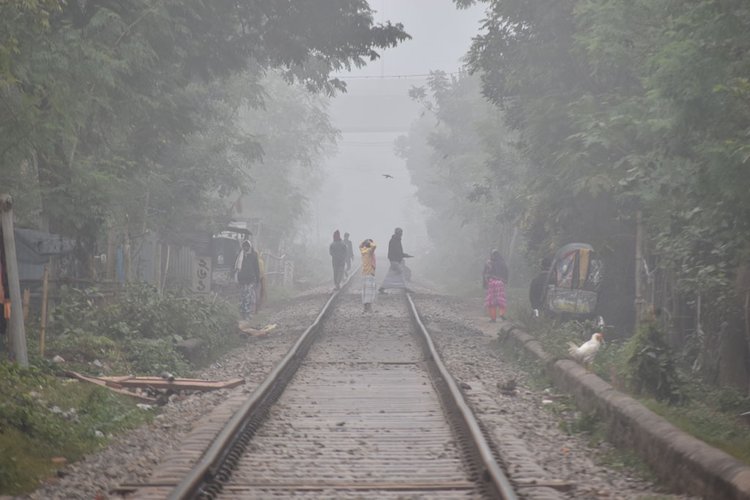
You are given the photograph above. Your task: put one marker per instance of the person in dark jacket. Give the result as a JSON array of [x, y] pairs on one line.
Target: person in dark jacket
[[337, 249], [398, 273], [248, 276], [494, 278], [349, 254]]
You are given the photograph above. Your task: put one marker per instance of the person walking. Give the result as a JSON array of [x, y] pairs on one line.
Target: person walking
[[337, 249], [494, 278], [349, 254], [248, 276], [367, 251], [397, 272]]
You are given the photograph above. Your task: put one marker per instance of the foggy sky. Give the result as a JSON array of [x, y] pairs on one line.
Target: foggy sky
[[376, 109]]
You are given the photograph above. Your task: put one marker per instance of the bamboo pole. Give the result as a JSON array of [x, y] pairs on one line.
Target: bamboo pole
[[17, 333], [638, 303], [45, 295], [26, 300], [126, 258], [111, 254], [157, 263], [166, 271]]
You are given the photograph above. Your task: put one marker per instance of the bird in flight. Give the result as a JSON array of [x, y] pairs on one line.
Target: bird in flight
[[388, 176]]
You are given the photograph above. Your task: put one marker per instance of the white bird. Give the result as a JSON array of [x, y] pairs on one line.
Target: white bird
[[585, 352]]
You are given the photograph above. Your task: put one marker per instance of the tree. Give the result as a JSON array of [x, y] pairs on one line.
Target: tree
[[633, 106], [104, 104], [460, 157]]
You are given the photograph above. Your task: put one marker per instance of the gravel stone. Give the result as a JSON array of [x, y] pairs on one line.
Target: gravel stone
[[471, 352]]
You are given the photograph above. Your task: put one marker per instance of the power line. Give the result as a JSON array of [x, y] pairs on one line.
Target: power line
[[391, 77]]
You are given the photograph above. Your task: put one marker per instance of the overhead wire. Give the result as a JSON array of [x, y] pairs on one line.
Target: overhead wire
[[390, 77]]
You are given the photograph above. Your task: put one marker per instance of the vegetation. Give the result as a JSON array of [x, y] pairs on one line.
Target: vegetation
[[46, 421], [643, 367], [125, 115], [621, 109], [120, 119], [610, 118], [138, 331], [453, 153], [44, 416]]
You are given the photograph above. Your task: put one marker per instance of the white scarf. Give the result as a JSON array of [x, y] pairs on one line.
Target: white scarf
[[240, 257]]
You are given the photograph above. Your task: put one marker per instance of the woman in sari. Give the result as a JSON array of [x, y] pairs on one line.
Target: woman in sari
[[494, 278]]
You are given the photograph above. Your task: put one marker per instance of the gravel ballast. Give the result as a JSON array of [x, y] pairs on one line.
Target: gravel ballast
[[469, 347]]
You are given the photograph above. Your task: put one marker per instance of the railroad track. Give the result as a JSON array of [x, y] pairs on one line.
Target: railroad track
[[360, 407]]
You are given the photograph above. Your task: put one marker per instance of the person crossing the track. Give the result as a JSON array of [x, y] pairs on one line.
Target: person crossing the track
[[398, 273]]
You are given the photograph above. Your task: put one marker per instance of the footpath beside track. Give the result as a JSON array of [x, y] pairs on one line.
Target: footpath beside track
[[683, 462]]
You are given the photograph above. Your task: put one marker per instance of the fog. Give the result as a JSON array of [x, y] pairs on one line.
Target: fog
[[356, 196]]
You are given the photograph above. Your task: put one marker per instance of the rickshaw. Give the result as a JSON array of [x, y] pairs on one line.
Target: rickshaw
[[572, 285], [224, 249]]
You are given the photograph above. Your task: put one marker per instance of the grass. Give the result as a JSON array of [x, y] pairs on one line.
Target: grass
[[719, 429], [46, 421]]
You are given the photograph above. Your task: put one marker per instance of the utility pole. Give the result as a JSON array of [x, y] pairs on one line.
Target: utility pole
[[17, 334]]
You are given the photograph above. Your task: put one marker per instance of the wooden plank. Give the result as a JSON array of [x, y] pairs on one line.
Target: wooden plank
[[183, 384], [102, 383]]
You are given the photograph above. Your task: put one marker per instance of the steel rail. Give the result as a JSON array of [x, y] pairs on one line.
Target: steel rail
[[212, 460], [492, 471]]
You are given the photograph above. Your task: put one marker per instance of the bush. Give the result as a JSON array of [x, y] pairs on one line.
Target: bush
[[154, 356], [652, 369], [42, 416], [137, 332]]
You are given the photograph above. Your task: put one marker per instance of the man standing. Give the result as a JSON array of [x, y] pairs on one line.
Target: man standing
[[397, 272], [338, 258], [248, 276], [349, 254]]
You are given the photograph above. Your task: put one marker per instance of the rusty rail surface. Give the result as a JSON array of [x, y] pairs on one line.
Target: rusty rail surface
[[410, 414]]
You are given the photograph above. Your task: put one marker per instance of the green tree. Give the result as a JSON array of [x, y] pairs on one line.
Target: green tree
[[105, 105], [632, 106], [461, 159]]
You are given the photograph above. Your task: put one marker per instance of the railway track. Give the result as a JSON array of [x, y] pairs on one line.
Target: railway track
[[360, 407]]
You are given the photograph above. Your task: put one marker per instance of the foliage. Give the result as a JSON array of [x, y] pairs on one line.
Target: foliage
[[42, 416], [623, 107], [137, 332], [461, 158], [704, 411], [150, 139], [707, 422], [651, 363]]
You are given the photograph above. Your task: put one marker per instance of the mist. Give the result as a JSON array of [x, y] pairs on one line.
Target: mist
[[356, 195]]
